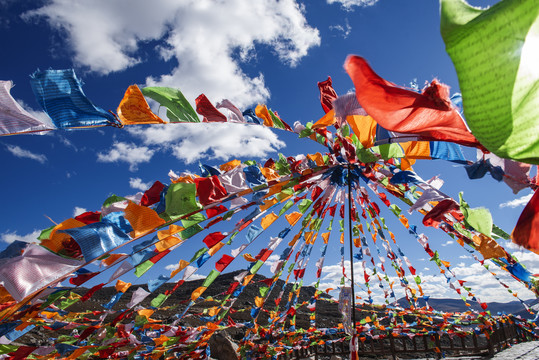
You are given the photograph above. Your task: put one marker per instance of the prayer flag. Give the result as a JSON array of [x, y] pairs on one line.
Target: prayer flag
[[59, 92]]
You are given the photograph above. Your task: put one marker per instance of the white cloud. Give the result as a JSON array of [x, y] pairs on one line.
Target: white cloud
[[449, 242], [348, 5], [483, 285], [191, 142], [521, 201], [136, 183], [208, 39], [9, 237], [78, 210], [129, 153], [272, 260], [23, 153], [343, 30], [171, 267]]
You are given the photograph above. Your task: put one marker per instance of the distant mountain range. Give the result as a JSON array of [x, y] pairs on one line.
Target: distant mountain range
[[495, 308]]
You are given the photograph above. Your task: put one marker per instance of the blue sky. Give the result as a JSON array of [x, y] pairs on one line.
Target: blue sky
[[269, 51]]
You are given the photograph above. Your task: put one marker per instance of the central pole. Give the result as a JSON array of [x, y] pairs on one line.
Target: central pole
[[351, 247]]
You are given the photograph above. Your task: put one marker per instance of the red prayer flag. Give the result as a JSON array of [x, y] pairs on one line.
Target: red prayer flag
[[91, 292], [526, 232], [216, 210], [223, 262], [209, 189], [152, 195], [436, 215], [82, 278], [327, 94], [212, 239], [430, 114], [89, 217], [206, 109]]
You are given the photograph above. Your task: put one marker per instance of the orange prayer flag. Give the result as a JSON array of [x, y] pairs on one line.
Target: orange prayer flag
[[230, 165], [111, 259], [215, 248], [317, 158], [404, 221], [197, 292], [262, 112], [142, 219], [122, 286], [342, 238], [173, 229], [249, 257], [293, 217], [269, 174], [364, 127], [167, 243], [326, 120], [181, 265], [54, 242], [247, 279], [146, 313], [268, 203], [268, 220], [259, 301], [293, 241], [134, 109], [416, 149], [325, 236]]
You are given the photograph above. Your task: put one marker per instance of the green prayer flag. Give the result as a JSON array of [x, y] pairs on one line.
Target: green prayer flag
[[495, 54], [191, 231], [286, 206], [263, 291], [181, 199], [193, 219], [256, 266], [178, 108], [282, 166], [142, 268], [67, 303], [211, 278], [198, 254], [46, 233], [389, 151], [277, 123], [499, 232], [159, 300], [113, 199], [5, 349], [304, 205], [478, 218]]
